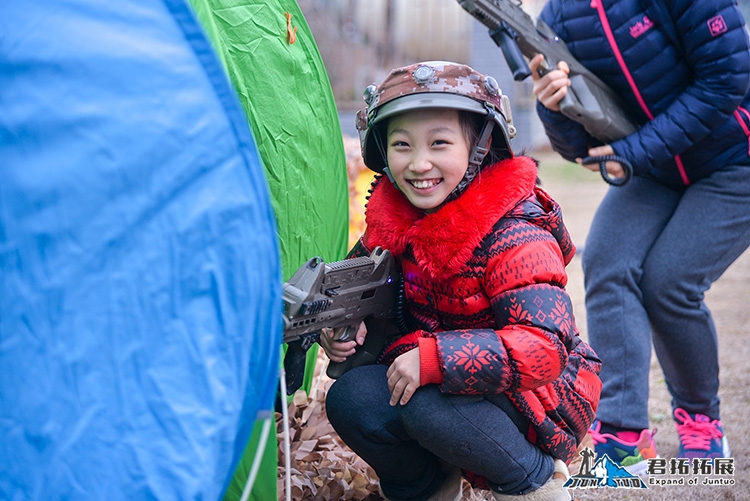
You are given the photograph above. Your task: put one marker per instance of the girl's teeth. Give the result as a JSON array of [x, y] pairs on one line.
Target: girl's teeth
[[423, 184]]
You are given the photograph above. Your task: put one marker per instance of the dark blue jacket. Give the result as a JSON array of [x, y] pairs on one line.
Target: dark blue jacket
[[685, 80]]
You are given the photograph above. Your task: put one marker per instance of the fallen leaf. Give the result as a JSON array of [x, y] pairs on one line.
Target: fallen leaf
[[291, 34]]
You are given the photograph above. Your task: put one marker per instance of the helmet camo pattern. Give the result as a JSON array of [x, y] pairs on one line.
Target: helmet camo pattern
[[432, 84]]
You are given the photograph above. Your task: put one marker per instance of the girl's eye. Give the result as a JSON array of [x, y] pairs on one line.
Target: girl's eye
[[399, 144]]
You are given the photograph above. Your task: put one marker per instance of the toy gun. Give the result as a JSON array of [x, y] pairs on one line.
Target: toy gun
[[588, 101], [339, 296]]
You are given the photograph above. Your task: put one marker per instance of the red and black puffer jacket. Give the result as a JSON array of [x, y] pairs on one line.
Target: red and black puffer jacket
[[484, 280]]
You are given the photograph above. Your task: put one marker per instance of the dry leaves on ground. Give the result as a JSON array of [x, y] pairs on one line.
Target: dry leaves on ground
[[321, 466]]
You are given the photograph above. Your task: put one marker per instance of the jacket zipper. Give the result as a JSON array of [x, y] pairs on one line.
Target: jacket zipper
[[596, 4], [738, 115]]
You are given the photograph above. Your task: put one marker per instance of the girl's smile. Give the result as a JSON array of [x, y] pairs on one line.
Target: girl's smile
[[425, 184]]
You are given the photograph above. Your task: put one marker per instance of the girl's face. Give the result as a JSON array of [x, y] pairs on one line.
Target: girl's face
[[428, 154]]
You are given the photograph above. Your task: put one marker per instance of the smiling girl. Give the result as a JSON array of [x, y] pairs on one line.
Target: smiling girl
[[488, 379], [427, 152]]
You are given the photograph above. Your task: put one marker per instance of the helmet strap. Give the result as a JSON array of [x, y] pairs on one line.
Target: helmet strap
[[387, 172], [483, 143], [384, 155], [478, 153]]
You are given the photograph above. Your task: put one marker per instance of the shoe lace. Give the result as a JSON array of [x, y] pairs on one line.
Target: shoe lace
[[599, 438], [696, 434], [596, 436]]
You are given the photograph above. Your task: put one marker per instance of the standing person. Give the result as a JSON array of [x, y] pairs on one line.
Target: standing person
[[489, 375], [658, 243]]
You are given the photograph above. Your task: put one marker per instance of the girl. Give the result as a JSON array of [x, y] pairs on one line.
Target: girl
[[489, 378]]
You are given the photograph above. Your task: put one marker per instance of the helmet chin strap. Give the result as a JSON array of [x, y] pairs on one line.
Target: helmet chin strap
[[386, 169], [480, 150]]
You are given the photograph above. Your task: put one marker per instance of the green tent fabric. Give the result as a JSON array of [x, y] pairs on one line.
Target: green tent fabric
[[285, 91]]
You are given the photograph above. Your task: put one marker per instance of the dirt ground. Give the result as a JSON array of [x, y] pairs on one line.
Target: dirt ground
[[324, 469]]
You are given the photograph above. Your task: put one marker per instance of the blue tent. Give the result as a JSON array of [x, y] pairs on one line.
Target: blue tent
[[139, 269]]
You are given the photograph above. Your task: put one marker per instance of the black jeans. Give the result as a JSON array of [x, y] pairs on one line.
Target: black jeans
[[404, 444]]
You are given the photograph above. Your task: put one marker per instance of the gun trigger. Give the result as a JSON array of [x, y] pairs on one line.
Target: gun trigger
[[331, 292]]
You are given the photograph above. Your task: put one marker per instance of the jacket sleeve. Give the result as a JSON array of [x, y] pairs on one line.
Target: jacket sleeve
[[715, 46], [567, 137], [524, 280], [714, 49]]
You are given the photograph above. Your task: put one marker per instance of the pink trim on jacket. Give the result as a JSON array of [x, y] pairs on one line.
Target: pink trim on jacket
[[596, 4], [745, 129]]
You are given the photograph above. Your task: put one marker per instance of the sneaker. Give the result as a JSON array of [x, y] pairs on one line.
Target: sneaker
[[633, 456], [552, 490], [700, 436], [450, 490]]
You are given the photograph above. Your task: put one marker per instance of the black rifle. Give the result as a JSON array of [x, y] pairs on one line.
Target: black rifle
[[339, 296], [589, 101]]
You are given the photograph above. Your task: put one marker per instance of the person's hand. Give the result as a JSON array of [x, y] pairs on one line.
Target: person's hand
[[614, 169], [338, 351], [403, 377], [553, 86]]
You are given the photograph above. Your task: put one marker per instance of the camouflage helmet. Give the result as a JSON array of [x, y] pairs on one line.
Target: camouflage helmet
[[431, 84]]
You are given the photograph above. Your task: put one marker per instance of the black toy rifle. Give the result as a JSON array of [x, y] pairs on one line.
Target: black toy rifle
[[588, 101], [339, 296]]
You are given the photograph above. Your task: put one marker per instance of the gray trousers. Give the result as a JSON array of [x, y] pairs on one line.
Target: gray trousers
[[651, 254]]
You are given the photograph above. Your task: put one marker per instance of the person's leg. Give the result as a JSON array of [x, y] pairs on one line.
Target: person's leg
[[478, 436], [709, 230], [357, 405], [629, 219]]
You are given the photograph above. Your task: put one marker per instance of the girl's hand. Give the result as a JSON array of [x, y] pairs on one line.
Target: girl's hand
[[338, 351], [403, 377], [614, 169], [553, 86]]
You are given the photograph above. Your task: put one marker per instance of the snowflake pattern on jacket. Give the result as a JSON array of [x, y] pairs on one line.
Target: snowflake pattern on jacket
[[484, 276]]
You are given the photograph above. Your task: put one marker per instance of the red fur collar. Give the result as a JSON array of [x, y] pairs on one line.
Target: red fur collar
[[443, 241]]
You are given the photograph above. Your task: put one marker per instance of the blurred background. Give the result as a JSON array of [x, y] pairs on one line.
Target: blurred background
[[360, 41]]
